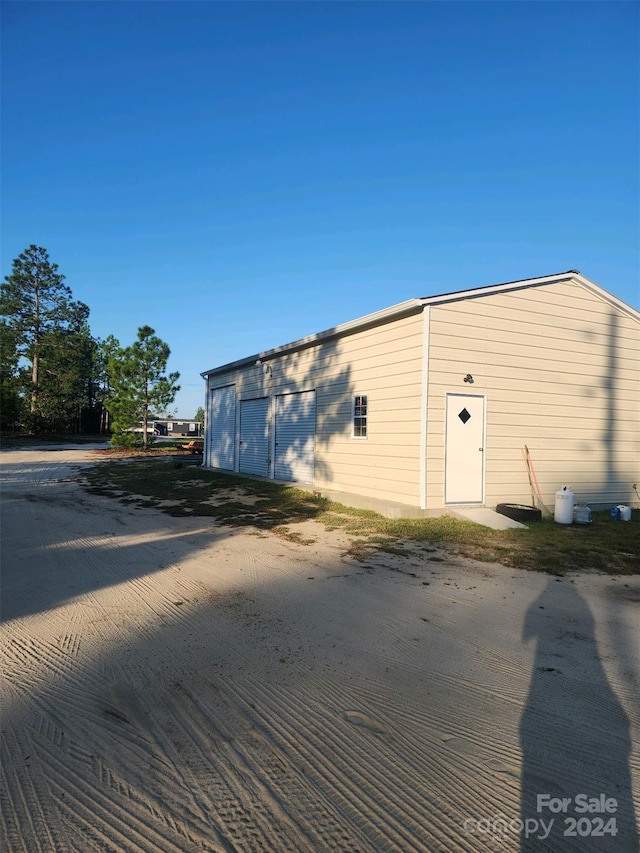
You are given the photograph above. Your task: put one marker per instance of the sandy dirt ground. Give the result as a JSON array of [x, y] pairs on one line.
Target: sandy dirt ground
[[172, 685]]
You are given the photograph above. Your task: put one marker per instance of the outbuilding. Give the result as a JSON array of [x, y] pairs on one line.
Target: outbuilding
[[464, 399]]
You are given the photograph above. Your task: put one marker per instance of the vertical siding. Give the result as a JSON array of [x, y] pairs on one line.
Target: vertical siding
[[560, 369], [384, 362]]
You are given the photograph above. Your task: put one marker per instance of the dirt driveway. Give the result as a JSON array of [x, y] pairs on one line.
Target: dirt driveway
[[172, 685]]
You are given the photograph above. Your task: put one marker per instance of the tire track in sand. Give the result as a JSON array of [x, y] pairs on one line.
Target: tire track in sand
[[25, 824], [246, 812], [353, 773], [84, 785]]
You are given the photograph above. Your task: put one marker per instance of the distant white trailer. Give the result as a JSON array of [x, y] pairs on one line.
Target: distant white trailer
[[150, 430]]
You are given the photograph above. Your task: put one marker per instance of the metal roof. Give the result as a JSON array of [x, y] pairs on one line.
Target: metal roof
[[412, 306]]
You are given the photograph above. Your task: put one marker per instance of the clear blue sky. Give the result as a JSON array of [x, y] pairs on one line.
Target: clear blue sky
[[238, 175]]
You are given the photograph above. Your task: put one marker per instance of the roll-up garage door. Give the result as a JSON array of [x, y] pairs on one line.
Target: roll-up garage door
[[221, 427], [295, 433], [254, 437]]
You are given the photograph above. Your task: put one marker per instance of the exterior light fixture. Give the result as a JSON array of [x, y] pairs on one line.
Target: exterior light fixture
[[267, 367], [468, 378]]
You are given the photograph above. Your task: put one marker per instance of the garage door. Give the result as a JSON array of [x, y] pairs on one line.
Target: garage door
[[221, 428], [295, 433], [254, 437]]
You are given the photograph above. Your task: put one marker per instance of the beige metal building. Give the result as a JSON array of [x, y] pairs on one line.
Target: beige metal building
[[430, 403]]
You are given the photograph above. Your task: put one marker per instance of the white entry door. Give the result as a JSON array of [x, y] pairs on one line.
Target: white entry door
[[464, 449], [254, 437], [295, 435]]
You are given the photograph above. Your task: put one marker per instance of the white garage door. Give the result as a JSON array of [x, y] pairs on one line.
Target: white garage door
[[295, 434], [221, 428], [254, 437]]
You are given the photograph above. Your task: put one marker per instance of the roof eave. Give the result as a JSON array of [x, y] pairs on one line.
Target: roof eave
[[624, 307], [523, 284], [410, 306], [504, 287]]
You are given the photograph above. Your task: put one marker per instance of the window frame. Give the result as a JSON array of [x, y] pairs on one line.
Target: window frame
[[364, 419]]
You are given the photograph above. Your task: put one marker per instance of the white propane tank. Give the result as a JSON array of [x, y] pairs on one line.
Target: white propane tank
[[563, 510]]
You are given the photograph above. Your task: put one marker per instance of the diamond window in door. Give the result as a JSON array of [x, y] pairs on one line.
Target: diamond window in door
[[464, 416]]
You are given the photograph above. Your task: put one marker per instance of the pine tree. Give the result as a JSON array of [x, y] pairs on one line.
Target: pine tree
[[36, 303], [137, 375], [67, 376], [11, 399], [105, 351]]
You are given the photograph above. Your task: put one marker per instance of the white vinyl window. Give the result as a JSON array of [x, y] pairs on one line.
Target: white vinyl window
[[360, 411]]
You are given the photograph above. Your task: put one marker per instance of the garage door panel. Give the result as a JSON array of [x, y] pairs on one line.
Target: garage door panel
[[295, 428], [254, 437], [221, 428]]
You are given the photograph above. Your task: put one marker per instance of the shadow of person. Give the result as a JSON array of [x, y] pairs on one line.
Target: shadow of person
[[574, 736]]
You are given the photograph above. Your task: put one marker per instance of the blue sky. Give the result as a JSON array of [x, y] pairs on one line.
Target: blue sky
[[239, 175]]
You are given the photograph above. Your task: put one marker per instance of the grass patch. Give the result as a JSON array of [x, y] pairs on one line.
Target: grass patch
[[155, 447], [192, 489], [361, 549], [292, 536], [604, 545], [19, 441]]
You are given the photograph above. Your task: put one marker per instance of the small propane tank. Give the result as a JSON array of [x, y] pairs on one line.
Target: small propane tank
[[582, 515], [563, 510]]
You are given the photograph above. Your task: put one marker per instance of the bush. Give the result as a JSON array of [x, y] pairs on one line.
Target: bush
[[125, 439]]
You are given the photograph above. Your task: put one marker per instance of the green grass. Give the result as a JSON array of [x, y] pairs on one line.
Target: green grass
[[23, 440], [171, 443], [18, 441], [604, 545]]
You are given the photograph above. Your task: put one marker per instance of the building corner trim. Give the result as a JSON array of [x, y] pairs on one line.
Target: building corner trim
[[424, 408]]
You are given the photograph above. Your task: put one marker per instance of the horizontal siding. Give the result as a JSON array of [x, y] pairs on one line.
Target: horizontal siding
[[385, 363], [507, 424], [539, 367], [554, 336], [386, 463], [560, 371], [559, 368]]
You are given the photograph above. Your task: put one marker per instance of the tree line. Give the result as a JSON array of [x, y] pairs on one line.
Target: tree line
[[55, 376]]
